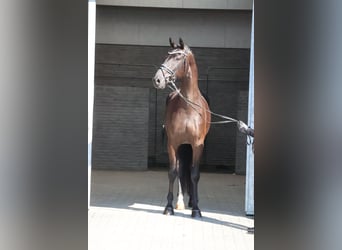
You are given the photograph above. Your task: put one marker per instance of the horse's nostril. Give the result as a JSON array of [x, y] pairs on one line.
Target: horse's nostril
[[158, 81]]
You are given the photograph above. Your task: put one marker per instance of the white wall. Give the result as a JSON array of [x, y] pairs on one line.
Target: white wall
[[191, 4], [153, 26]]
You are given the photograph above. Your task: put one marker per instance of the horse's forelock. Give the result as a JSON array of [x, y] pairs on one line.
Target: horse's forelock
[[186, 49]]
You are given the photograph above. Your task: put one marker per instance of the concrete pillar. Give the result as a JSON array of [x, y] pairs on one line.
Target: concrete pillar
[[249, 198], [242, 114], [91, 69]]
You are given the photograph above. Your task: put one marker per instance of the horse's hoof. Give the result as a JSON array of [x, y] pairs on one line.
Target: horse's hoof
[[168, 211], [180, 206], [196, 213]]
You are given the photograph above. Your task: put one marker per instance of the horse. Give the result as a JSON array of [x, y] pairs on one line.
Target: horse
[[187, 122]]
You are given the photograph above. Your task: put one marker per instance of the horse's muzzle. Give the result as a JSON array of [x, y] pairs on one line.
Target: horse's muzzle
[[158, 82]]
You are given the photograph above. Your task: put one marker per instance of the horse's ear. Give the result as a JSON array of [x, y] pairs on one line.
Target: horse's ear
[[172, 44], [181, 43]]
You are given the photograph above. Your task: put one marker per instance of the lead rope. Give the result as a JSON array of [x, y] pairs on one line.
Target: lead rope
[[192, 104], [249, 140]]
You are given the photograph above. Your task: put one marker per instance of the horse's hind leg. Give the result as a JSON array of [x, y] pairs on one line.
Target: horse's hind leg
[[172, 176], [180, 199]]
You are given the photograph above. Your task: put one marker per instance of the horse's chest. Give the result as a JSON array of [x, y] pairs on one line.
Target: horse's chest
[[184, 124]]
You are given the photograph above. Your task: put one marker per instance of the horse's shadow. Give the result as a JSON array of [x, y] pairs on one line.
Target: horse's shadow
[[157, 209], [204, 218]]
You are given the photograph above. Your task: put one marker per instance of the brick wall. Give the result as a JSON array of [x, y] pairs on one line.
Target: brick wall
[[120, 128]]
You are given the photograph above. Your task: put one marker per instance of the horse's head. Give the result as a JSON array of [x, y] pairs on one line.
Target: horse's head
[[174, 67]]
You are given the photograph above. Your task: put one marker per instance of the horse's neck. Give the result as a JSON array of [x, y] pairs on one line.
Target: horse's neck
[[189, 84]]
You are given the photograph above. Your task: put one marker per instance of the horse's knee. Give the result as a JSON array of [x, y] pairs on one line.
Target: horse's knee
[[195, 176], [172, 174]]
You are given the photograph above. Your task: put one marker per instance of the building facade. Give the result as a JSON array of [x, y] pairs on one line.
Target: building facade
[[131, 41]]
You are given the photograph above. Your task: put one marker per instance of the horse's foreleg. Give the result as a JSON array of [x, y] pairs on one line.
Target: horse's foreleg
[[172, 176], [195, 176]]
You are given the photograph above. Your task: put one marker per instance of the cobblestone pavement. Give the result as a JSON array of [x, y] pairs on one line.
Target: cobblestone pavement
[[126, 213]]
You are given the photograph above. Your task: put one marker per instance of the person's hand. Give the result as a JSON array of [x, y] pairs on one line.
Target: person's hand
[[242, 127]]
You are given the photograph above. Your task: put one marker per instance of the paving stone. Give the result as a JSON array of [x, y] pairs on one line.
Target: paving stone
[[126, 213]]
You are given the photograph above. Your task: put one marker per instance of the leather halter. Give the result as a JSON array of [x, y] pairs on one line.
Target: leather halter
[[172, 77]]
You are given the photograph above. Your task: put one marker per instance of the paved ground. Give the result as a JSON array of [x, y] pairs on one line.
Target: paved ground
[[126, 213]]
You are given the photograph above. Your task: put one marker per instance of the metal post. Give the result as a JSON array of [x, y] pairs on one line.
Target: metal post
[[91, 69], [249, 196]]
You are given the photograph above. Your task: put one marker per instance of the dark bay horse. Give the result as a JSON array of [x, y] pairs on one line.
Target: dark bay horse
[[187, 122]]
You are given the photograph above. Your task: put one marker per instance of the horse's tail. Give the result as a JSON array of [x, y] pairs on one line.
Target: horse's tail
[[163, 135], [185, 159]]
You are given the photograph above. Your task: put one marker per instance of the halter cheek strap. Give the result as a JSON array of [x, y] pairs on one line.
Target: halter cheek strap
[[167, 69]]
